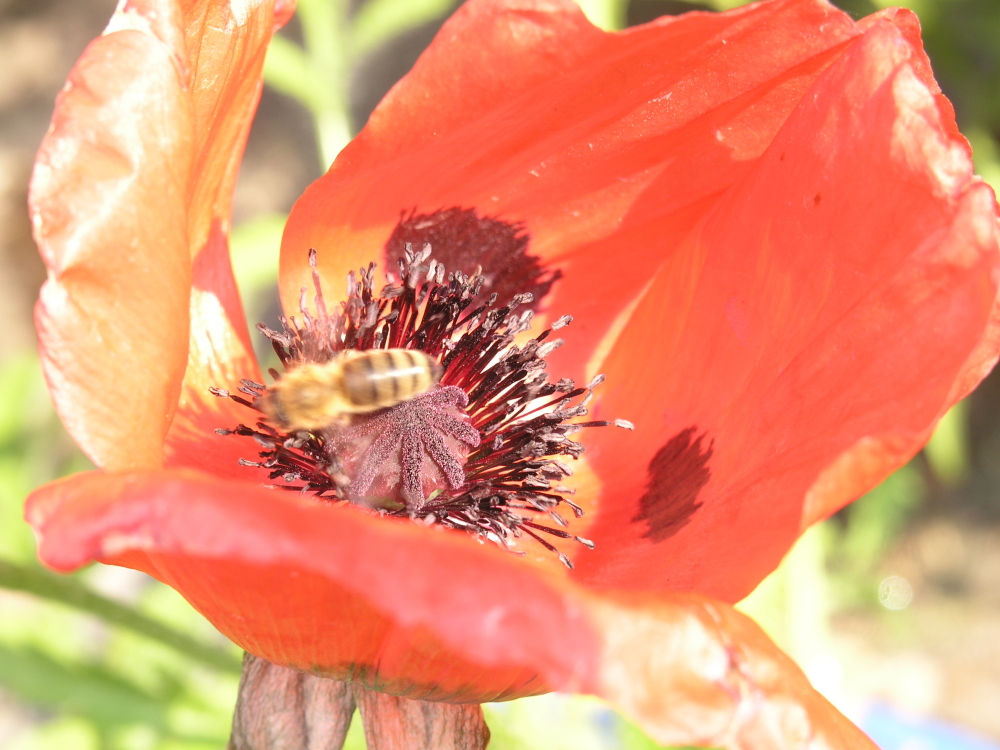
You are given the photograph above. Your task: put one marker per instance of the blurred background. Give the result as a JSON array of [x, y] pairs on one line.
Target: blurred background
[[892, 607]]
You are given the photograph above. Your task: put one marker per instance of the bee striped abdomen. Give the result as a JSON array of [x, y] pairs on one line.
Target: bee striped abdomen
[[379, 378]]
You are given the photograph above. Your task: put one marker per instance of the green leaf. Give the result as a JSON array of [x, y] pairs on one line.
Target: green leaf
[[609, 15], [255, 246], [948, 449], [287, 69], [19, 378], [985, 155], [562, 722], [62, 733], [69, 591], [88, 691], [380, 20], [876, 519], [34, 448]]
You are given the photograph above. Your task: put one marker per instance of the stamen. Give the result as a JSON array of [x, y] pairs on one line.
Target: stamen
[[479, 452]]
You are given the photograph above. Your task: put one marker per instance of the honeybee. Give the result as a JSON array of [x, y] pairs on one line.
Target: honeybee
[[318, 395]]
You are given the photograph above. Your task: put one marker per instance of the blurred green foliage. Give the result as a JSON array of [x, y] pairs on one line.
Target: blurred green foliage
[[93, 672], [378, 21], [607, 14], [316, 71], [254, 247], [135, 668]]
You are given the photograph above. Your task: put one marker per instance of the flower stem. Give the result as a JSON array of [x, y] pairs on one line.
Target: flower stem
[[325, 29], [607, 14], [71, 592]]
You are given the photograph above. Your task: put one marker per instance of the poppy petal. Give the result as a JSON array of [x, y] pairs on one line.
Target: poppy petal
[[133, 177], [692, 671], [520, 109], [112, 317], [804, 339], [404, 608], [219, 356], [427, 613]]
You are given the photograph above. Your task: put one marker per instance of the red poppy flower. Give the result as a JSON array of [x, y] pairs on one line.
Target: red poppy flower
[[764, 222]]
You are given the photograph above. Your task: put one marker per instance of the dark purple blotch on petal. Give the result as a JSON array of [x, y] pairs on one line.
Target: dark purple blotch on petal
[[677, 473], [462, 239]]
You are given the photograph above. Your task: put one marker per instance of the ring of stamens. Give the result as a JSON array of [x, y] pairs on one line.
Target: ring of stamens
[[494, 400]]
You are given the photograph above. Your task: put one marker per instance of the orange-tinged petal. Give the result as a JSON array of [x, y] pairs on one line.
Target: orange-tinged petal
[[220, 355], [428, 613], [523, 110], [692, 671], [109, 206], [408, 609], [870, 459], [804, 339], [133, 179], [225, 44]]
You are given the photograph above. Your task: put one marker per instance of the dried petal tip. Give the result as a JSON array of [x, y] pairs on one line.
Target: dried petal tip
[[478, 452]]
